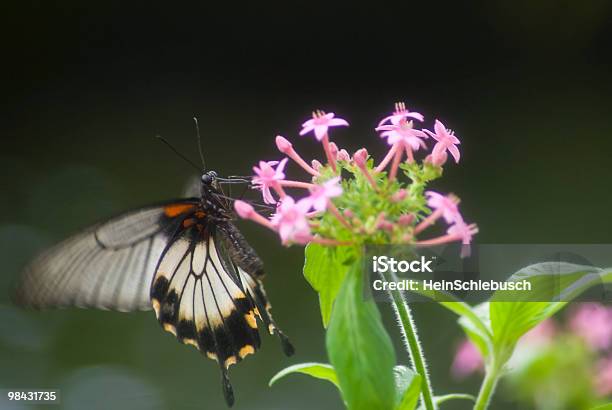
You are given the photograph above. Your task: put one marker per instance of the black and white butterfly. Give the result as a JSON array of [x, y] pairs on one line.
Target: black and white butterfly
[[184, 258]]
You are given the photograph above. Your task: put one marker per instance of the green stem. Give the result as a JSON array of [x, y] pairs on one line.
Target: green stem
[[487, 388], [414, 347]]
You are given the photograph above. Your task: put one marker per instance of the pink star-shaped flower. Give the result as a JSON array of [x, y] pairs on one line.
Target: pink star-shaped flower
[[320, 195], [320, 123], [446, 204], [464, 231], [403, 133], [400, 113], [447, 141], [267, 177], [291, 221]]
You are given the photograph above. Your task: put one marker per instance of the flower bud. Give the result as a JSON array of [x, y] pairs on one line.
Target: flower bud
[[405, 219], [343, 155], [399, 195], [243, 209], [360, 157], [283, 144], [333, 148]]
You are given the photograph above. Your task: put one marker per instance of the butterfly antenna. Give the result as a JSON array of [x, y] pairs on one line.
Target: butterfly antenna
[[187, 160], [197, 126]]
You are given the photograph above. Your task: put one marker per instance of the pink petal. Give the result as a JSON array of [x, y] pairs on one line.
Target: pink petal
[[439, 128], [309, 123], [307, 129], [320, 131], [455, 153], [338, 122]]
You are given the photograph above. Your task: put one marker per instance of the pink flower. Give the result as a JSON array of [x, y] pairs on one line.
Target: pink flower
[[291, 220], [463, 231], [467, 360], [267, 177], [445, 204], [403, 133], [320, 123], [603, 378], [447, 141], [321, 194], [593, 322], [400, 113]]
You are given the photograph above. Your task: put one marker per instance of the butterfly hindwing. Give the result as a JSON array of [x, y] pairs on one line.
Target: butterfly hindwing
[[196, 298]]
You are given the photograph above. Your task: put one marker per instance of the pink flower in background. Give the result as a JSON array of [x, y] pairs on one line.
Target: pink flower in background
[[321, 194], [401, 113], [593, 322], [267, 177], [403, 133], [542, 334], [320, 123], [445, 204], [467, 360], [291, 220], [603, 377], [447, 141]]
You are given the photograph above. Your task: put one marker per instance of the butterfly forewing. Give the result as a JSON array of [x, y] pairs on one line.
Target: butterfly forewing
[[108, 266]]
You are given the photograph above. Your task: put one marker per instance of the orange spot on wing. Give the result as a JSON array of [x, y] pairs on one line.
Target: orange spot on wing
[[177, 209]]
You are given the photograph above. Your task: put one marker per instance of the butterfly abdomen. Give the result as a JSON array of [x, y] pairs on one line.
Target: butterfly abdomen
[[241, 252]]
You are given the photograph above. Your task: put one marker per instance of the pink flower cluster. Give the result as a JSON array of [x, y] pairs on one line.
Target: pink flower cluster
[[592, 322], [294, 219]]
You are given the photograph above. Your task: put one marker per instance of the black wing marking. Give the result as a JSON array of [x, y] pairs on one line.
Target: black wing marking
[[108, 266], [196, 298]]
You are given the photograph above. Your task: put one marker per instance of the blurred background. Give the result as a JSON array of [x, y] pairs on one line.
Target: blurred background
[[526, 85]]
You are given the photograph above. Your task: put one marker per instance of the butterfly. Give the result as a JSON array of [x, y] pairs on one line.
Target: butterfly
[[184, 259]]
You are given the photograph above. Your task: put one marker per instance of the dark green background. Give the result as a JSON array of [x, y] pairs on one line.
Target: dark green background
[[526, 85]]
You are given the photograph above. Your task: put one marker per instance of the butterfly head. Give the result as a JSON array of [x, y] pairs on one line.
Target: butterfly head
[[209, 178]]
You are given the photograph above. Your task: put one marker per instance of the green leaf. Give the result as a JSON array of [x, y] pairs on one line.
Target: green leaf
[[603, 407], [474, 320], [561, 281], [407, 387], [317, 370], [324, 268], [360, 349]]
